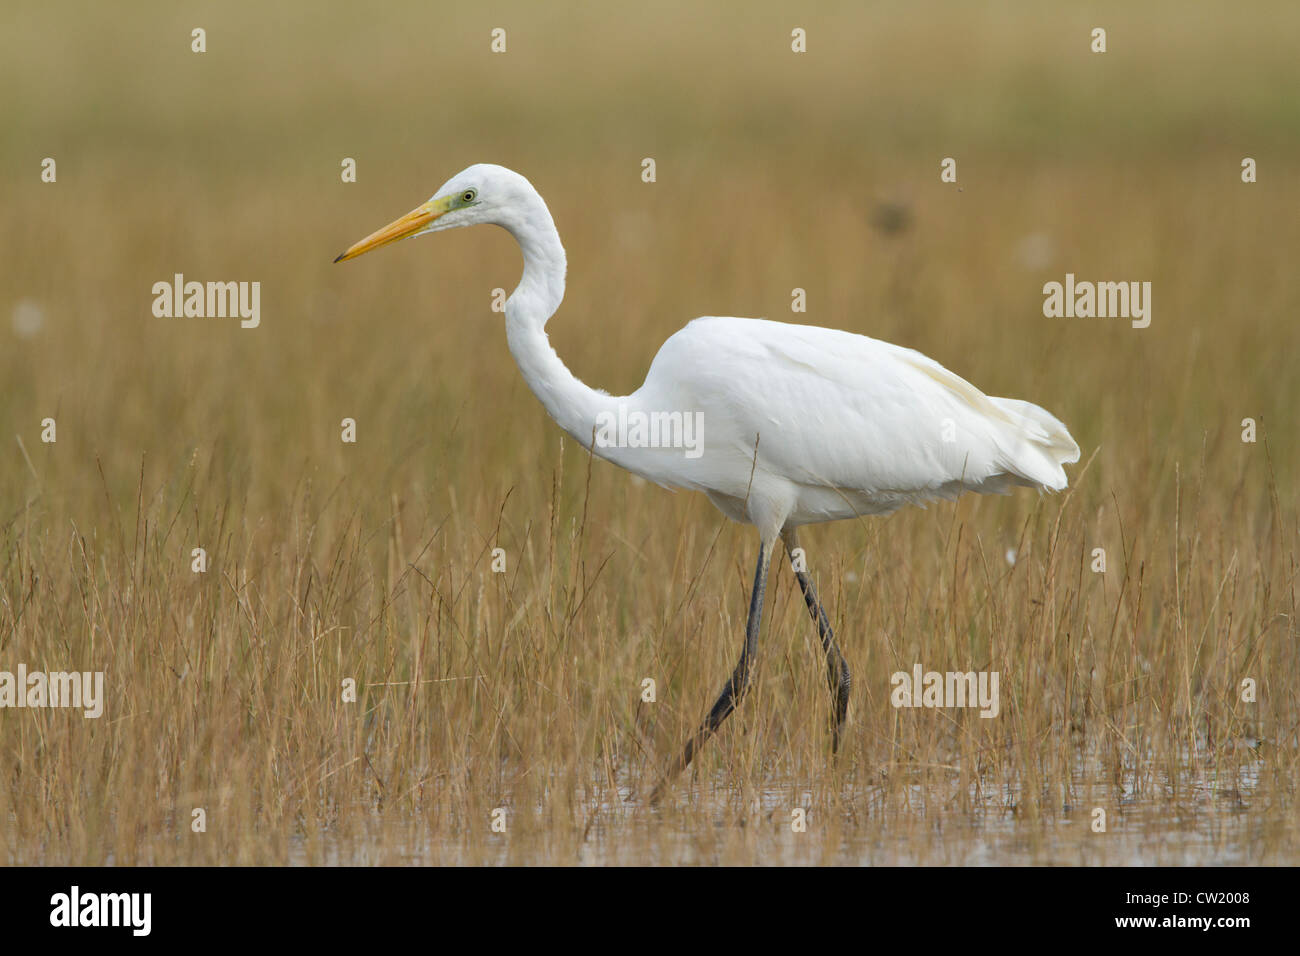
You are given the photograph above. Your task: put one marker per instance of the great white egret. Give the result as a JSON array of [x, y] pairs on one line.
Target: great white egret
[[780, 425]]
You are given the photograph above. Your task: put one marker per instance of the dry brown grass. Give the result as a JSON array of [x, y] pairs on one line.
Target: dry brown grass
[[482, 690]]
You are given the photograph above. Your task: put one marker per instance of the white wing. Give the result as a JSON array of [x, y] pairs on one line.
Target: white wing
[[856, 425]]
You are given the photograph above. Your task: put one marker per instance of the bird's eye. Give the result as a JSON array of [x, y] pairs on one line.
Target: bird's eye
[[469, 195]]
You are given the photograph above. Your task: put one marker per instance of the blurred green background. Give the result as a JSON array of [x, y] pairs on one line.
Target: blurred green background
[[225, 165]]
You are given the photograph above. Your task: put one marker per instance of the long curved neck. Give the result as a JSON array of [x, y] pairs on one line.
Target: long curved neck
[[572, 404]]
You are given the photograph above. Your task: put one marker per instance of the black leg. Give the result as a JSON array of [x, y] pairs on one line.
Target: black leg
[[741, 678], [837, 668]]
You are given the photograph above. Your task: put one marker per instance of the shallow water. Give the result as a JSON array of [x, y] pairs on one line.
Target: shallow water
[[1205, 821]]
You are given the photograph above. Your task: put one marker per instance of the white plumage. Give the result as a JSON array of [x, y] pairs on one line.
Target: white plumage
[[799, 424], [821, 424]]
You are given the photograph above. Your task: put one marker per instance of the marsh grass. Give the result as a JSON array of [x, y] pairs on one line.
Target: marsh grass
[[479, 690]]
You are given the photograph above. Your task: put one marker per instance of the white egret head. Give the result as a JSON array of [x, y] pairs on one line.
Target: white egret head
[[482, 193]]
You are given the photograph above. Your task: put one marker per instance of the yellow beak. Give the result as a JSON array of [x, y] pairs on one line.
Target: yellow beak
[[408, 225]]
